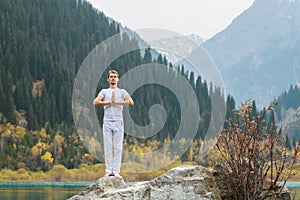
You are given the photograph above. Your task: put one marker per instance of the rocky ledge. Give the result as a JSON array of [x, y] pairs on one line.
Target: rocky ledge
[[183, 182]]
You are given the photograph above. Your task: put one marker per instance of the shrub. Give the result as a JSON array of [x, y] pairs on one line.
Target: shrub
[[57, 173], [252, 155]]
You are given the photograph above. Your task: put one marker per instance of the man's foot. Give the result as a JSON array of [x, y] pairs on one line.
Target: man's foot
[[117, 175], [108, 174]]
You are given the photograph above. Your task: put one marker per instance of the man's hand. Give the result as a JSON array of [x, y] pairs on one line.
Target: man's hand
[[127, 101], [113, 97], [99, 101]]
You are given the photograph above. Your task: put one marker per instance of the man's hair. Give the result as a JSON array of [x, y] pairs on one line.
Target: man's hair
[[112, 72]]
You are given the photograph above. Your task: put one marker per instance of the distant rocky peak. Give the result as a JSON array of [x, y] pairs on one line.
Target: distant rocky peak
[[257, 49], [263, 22], [178, 47]]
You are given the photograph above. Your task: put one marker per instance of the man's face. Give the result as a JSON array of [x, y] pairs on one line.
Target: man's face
[[113, 79]]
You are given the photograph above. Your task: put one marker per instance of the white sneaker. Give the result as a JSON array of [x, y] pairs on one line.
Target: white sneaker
[[107, 174], [117, 175]]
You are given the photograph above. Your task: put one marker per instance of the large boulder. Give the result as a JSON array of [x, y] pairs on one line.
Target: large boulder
[[183, 182]]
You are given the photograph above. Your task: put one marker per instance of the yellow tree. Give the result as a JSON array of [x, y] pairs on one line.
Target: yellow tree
[[58, 143], [47, 161], [20, 132]]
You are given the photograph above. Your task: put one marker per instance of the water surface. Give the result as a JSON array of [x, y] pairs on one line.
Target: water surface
[[38, 192]]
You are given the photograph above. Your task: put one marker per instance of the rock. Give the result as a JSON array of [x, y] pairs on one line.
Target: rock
[[183, 182], [102, 186], [220, 173]]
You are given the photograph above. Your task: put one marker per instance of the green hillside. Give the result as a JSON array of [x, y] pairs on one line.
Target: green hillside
[[42, 45]]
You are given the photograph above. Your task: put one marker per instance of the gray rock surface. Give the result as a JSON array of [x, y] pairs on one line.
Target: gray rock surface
[[183, 182]]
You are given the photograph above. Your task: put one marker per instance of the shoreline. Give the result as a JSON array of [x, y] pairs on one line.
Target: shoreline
[[290, 184]]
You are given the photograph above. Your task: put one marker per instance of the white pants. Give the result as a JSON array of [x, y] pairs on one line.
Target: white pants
[[113, 134]]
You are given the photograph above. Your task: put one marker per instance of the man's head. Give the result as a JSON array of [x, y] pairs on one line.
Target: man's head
[[112, 72], [113, 78]]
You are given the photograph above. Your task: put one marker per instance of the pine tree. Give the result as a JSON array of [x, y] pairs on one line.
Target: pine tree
[[8, 109]]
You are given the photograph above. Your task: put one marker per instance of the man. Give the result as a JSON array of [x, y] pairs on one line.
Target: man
[[113, 99]]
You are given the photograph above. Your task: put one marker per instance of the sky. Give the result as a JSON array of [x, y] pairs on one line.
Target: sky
[[204, 18]]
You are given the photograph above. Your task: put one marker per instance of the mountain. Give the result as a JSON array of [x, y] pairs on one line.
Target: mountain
[[288, 112], [258, 53], [290, 123], [172, 45], [44, 45]]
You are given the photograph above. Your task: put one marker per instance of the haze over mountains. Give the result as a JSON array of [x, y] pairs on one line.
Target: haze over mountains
[[258, 54], [176, 47]]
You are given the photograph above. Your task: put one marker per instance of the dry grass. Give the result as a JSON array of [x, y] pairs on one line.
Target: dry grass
[[131, 172]]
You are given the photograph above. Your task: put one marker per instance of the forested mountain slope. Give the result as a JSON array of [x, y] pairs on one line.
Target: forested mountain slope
[[42, 46]]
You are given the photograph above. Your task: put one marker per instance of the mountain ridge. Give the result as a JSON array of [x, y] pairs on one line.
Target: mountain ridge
[[257, 53]]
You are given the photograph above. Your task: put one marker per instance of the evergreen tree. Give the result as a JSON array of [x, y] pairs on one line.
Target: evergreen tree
[[8, 109], [192, 80], [147, 58], [288, 144], [230, 107]]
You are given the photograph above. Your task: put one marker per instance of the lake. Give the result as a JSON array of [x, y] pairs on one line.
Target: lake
[[40, 191], [60, 191]]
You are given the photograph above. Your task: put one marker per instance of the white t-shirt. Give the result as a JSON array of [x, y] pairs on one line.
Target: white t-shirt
[[113, 112]]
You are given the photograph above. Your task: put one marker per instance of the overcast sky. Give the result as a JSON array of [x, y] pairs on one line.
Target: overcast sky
[[202, 17]]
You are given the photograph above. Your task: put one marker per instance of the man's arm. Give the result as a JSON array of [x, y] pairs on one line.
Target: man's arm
[[98, 101], [127, 101]]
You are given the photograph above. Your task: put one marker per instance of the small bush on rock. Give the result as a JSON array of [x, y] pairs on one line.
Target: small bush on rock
[[251, 157]]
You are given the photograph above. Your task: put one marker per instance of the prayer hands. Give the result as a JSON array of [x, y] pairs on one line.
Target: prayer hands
[[113, 97]]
